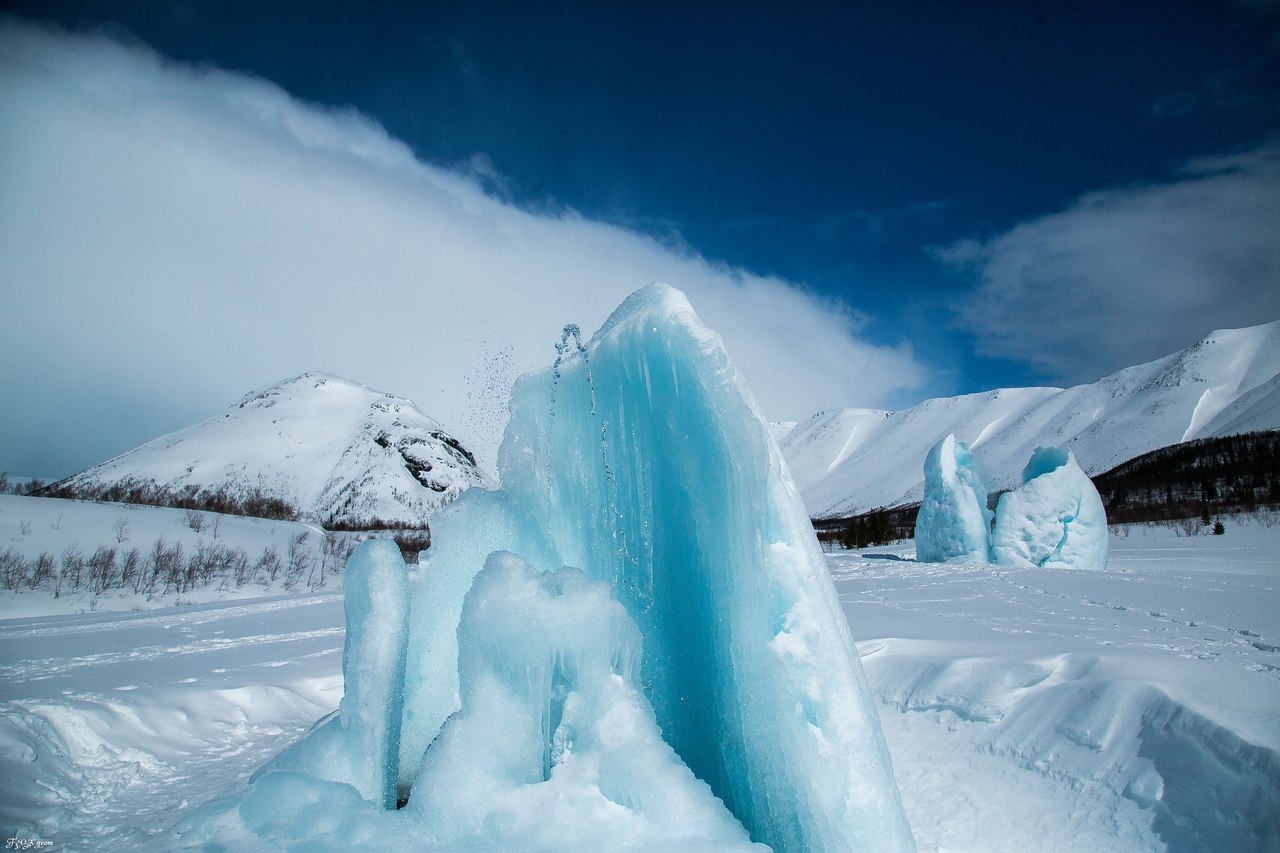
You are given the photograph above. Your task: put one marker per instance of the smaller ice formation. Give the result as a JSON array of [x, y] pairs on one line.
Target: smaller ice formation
[[954, 521], [360, 743], [554, 730], [1055, 519]]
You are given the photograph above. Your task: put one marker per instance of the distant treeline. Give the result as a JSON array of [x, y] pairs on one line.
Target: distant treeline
[[253, 502], [1205, 478], [1201, 478], [880, 526]]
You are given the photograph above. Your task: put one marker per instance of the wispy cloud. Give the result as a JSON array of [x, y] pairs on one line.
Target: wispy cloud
[[1129, 274], [171, 237]]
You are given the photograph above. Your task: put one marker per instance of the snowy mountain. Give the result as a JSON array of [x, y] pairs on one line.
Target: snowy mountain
[[851, 460], [340, 451]]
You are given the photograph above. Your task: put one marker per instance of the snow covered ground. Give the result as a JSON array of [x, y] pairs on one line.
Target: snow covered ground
[[1132, 709]]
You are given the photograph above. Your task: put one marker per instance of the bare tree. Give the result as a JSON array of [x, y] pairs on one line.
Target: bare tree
[[195, 520], [121, 528]]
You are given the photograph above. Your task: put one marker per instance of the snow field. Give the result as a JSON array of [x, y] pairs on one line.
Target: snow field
[[1023, 709], [1130, 709]]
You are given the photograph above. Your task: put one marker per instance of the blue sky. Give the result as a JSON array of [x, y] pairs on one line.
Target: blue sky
[[948, 172]]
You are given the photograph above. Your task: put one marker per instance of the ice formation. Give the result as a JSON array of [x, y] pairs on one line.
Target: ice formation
[[713, 698], [360, 744], [954, 520], [1055, 519], [554, 728]]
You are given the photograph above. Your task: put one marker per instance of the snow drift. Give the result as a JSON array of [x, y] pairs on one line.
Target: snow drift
[[642, 460]]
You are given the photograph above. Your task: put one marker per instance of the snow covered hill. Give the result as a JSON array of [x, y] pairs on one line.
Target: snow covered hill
[[851, 460], [342, 452]]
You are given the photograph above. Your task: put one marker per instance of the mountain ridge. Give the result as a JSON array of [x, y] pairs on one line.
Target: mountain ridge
[[847, 461], [343, 453]]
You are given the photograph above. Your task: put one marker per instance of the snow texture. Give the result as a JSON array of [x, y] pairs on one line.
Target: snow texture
[[360, 744], [1055, 520], [954, 520]]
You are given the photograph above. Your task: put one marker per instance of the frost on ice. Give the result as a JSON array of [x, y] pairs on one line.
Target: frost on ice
[[690, 683], [954, 521], [1055, 519]]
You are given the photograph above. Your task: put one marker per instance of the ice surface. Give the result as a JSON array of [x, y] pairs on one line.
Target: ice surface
[[1055, 519], [360, 745], [647, 463], [478, 524], [954, 520], [555, 744]]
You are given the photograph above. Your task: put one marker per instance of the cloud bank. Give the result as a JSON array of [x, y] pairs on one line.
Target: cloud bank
[[172, 237], [1130, 274]]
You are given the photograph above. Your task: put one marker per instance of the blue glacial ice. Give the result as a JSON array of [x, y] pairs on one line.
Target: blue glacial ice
[[360, 744], [554, 730], [954, 522], [690, 684], [1055, 519]]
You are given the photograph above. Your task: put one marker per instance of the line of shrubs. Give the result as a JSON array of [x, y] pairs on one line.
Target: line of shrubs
[[167, 567], [255, 501]]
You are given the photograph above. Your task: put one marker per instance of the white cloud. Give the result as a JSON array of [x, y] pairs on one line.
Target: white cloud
[[1127, 275], [171, 237]]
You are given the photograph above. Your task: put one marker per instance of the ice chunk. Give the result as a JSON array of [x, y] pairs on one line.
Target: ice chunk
[[360, 744], [555, 744], [474, 526], [954, 521], [647, 463], [1055, 519]]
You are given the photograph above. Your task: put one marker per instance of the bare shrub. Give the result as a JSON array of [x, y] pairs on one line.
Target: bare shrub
[[268, 564], [45, 569], [195, 520], [121, 528], [102, 569], [1187, 526], [299, 561], [335, 550], [72, 566], [13, 568], [130, 568]]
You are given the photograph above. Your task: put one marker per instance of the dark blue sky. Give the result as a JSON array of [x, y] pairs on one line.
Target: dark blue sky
[[833, 149]]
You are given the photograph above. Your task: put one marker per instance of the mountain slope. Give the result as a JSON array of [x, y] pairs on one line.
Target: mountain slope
[[851, 460], [341, 452]]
